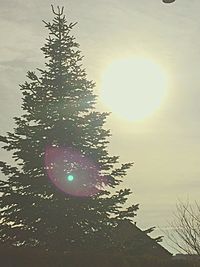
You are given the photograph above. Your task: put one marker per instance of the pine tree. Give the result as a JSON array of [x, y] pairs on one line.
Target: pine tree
[[57, 195]]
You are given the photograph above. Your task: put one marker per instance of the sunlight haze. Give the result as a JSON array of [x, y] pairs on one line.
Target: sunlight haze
[[165, 144], [133, 88]]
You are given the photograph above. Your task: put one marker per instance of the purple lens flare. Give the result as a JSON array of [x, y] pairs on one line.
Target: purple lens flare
[[72, 172]]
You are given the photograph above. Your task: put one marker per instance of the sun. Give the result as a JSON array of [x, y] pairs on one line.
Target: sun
[[133, 88]]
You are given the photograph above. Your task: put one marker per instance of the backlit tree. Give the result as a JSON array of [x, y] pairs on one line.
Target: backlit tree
[[57, 195]]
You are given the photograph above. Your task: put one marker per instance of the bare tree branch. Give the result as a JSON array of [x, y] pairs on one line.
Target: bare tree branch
[[185, 228]]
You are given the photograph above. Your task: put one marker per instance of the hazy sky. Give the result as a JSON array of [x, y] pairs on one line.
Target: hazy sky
[[165, 147]]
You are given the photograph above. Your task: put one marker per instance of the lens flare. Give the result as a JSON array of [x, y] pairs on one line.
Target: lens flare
[[72, 172], [70, 178]]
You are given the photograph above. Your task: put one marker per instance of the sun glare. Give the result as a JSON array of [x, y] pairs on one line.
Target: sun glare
[[133, 88]]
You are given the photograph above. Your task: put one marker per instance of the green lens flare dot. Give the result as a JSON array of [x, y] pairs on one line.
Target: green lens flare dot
[[70, 178]]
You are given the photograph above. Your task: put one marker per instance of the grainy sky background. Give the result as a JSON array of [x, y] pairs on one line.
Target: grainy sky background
[[164, 147]]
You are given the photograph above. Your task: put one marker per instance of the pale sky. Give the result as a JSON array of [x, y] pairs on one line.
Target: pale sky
[[165, 147]]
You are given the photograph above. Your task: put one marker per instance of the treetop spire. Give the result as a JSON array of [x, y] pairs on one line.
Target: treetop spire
[[60, 10]]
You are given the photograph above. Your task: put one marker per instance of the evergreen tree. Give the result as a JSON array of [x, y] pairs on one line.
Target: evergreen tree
[[57, 196]]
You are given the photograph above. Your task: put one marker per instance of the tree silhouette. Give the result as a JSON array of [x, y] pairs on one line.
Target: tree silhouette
[[184, 232], [57, 195]]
